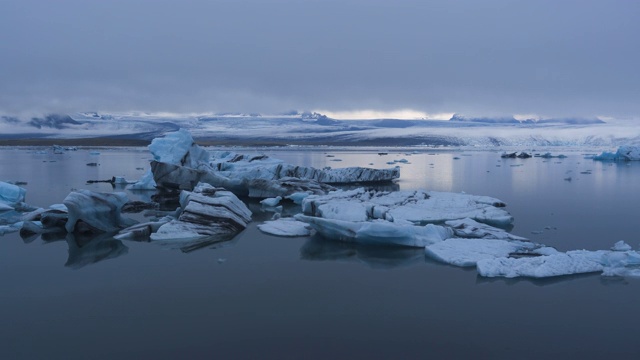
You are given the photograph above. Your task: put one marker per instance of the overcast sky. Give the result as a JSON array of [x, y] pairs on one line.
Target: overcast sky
[[550, 58]]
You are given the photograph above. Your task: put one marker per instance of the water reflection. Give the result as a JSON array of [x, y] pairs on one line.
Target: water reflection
[[189, 245], [376, 257], [84, 250], [535, 281]]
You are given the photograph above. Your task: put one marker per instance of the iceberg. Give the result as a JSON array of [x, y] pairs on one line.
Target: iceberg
[[10, 195], [180, 163], [205, 212], [624, 153], [100, 211], [271, 202]]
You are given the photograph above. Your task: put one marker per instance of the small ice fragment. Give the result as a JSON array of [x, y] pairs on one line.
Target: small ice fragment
[[621, 246], [285, 227], [271, 202]]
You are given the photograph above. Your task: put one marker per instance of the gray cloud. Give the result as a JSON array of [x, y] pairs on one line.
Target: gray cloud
[[559, 58]]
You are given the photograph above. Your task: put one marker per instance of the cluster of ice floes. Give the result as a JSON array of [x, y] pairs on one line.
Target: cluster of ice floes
[[199, 192], [455, 229], [624, 153]]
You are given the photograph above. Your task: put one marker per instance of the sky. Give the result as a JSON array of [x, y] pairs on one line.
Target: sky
[[538, 58]]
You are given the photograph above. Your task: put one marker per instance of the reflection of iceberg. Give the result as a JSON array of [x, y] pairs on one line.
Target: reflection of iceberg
[[188, 245], [84, 251], [377, 257]]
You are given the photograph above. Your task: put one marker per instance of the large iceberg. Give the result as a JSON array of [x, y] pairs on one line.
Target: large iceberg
[[624, 153], [180, 163]]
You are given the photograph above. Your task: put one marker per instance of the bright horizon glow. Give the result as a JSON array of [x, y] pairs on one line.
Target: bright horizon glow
[[401, 114]]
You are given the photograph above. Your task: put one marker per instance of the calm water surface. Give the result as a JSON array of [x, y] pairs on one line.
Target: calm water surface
[[260, 296]]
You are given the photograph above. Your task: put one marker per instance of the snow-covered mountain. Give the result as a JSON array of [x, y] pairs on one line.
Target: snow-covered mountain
[[294, 128]]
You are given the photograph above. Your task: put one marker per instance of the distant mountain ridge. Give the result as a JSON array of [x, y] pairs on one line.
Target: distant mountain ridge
[[513, 120], [315, 129]]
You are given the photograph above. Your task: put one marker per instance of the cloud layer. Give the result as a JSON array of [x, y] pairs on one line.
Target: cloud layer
[[553, 58]]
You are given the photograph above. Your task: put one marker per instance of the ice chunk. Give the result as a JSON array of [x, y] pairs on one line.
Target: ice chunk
[[101, 211], [378, 232], [538, 267], [206, 212], [297, 197], [145, 183], [10, 195], [285, 227], [271, 202], [467, 252], [178, 148], [624, 153], [572, 262], [621, 246]]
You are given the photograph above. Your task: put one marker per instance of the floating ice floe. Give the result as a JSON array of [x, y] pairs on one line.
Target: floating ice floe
[[271, 202], [418, 207], [467, 252], [288, 227], [624, 153]]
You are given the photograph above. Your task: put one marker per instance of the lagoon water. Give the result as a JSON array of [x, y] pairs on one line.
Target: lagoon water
[[259, 296]]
